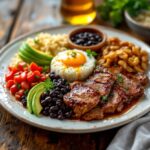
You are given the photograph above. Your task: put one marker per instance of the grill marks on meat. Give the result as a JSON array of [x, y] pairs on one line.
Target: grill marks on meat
[[81, 99], [84, 97], [101, 82], [131, 88]]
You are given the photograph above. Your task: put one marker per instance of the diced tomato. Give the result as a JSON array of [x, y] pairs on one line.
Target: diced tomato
[[23, 76], [17, 96], [9, 83], [37, 74], [40, 69], [26, 69], [43, 77], [33, 66], [22, 65], [25, 85], [20, 92], [17, 78], [30, 77], [13, 89], [14, 69], [9, 76]]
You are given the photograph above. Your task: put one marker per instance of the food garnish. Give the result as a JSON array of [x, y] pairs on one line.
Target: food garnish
[[104, 98], [91, 53], [119, 78]]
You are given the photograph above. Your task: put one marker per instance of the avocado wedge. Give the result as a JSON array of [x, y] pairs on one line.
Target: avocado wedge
[[32, 93], [36, 105], [33, 58], [36, 53]]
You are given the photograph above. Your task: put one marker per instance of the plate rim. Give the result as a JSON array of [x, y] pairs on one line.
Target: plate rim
[[28, 121]]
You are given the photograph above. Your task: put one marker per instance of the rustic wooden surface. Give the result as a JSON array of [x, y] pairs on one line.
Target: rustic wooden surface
[[18, 17]]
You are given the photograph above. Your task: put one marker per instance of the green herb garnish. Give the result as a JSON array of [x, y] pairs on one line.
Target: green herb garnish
[[73, 54], [26, 92], [91, 53], [37, 77], [113, 10], [104, 98], [18, 85], [49, 84], [119, 78]]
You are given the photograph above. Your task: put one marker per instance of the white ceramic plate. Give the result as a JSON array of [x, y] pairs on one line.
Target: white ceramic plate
[[70, 126]]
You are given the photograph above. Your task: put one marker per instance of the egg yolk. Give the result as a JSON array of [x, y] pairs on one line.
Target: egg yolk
[[74, 59]]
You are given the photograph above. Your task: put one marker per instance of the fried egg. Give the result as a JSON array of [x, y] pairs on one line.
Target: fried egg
[[73, 65]]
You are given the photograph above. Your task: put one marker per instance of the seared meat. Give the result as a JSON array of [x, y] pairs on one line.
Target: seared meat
[[101, 82], [94, 114], [131, 87], [139, 77], [116, 98], [81, 99], [123, 92], [115, 104]]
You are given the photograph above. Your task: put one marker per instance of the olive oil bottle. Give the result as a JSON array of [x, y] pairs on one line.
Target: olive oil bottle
[[78, 11]]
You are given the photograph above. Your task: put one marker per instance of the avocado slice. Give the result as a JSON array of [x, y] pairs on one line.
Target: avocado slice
[[33, 58], [32, 92], [34, 52], [36, 105]]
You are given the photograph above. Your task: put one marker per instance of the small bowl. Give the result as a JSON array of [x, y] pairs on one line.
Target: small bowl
[[95, 47], [137, 27]]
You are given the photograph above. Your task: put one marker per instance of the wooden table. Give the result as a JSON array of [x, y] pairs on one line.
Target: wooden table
[[18, 17]]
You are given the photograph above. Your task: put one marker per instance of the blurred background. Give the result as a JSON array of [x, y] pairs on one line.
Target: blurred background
[[21, 16]]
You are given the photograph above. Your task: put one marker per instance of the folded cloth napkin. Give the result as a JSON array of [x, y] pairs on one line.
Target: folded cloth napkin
[[134, 136]]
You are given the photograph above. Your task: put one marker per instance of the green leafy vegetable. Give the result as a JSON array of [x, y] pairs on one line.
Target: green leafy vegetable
[[113, 10], [91, 53], [49, 84], [119, 78], [104, 98]]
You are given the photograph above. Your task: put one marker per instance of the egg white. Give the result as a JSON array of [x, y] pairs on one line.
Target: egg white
[[72, 73]]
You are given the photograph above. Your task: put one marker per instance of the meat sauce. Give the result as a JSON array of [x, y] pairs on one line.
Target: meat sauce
[[126, 108]]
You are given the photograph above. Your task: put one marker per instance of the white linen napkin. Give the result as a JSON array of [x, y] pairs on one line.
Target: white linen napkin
[[134, 136]]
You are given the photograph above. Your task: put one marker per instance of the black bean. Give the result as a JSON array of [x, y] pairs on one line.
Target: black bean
[[54, 99], [45, 113], [53, 115], [53, 109], [60, 95], [59, 102], [60, 117], [45, 102]]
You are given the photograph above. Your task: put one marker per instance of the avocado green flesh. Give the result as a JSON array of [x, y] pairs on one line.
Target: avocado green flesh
[[33, 58], [33, 52], [31, 94], [26, 59], [40, 54], [36, 105]]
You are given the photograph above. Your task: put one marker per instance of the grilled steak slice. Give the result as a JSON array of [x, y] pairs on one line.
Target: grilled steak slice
[[139, 77], [132, 88], [116, 98], [101, 82], [123, 92], [116, 103], [94, 114], [81, 99]]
